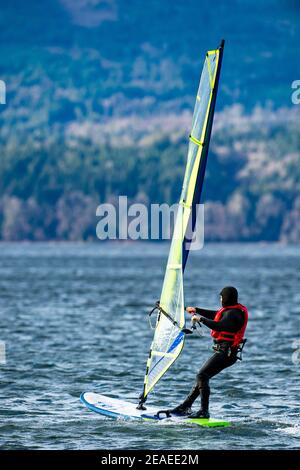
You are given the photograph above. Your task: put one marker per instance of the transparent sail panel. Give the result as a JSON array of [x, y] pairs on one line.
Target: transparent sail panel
[[168, 339], [203, 96], [199, 125]]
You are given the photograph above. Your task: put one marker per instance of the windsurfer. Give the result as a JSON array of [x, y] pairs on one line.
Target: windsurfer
[[228, 326]]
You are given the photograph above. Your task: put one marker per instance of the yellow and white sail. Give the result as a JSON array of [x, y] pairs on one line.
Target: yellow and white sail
[[168, 337]]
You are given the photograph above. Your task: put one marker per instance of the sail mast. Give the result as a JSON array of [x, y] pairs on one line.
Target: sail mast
[[206, 140]]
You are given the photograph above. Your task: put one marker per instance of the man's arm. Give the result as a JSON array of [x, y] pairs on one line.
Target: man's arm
[[204, 312], [232, 321]]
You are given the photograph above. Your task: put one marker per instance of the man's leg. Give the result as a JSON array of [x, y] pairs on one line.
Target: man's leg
[[185, 407], [213, 366]]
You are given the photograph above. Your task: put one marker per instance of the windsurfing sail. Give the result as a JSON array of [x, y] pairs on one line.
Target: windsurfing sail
[[169, 332]]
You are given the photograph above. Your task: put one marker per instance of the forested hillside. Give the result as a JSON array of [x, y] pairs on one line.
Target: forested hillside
[[99, 102]]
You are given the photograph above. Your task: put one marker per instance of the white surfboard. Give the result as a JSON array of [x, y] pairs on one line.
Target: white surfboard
[[121, 409]]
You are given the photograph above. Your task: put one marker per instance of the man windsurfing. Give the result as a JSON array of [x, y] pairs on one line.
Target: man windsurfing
[[228, 326]]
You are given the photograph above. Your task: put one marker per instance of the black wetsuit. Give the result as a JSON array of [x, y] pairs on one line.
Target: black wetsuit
[[231, 321]]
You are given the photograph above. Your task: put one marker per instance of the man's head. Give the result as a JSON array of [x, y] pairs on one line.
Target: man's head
[[229, 296]]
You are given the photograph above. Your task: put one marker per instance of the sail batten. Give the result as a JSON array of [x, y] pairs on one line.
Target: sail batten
[[168, 337]]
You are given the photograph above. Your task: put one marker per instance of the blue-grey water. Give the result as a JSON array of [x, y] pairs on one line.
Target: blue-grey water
[[74, 318]]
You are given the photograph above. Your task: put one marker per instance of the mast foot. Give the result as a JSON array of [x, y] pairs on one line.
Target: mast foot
[[141, 407], [142, 399]]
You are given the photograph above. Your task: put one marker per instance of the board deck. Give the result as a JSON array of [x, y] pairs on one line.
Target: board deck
[[121, 409]]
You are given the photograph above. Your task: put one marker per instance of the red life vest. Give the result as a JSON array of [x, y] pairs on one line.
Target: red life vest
[[237, 337]]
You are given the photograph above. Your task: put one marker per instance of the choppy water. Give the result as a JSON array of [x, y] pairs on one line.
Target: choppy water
[[73, 318]]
